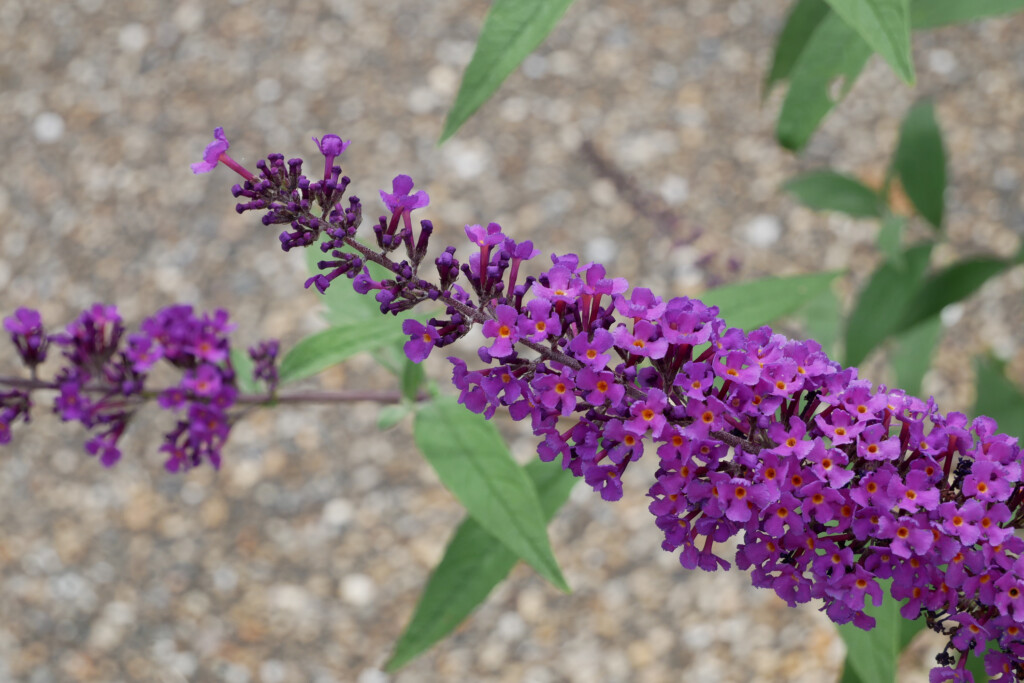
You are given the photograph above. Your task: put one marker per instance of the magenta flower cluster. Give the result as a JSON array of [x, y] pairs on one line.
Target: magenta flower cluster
[[102, 380], [832, 487]]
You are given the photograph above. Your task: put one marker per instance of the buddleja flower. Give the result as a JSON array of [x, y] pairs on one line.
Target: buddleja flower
[[832, 485], [102, 380]]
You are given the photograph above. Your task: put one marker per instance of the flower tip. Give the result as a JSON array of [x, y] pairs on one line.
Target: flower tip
[[331, 145], [212, 153]]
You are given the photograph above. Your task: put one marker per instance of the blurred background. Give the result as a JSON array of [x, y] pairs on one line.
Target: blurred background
[[302, 558]]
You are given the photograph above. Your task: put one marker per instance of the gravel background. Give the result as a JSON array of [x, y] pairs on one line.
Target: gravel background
[[302, 558]]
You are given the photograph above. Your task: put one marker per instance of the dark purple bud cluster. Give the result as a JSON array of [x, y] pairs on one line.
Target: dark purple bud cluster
[[832, 485], [101, 382], [14, 405], [264, 357]]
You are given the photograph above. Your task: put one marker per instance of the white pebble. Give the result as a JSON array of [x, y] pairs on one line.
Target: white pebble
[[337, 512], [941, 61], [674, 189], [133, 37], [357, 589], [762, 231], [48, 127]]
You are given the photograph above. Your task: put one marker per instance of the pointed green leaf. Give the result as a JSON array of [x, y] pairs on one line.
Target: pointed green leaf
[[412, 379], [998, 397], [880, 307], [885, 26], [470, 457], [952, 284], [243, 366], [512, 30], [344, 304], [933, 13], [800, 24], [872, 656], [392, 414], [890, 239], [320, 351], [823, 74], [822, 318], [750, 305], [913, 354], [920, 162], [831, 191], [473, 564]]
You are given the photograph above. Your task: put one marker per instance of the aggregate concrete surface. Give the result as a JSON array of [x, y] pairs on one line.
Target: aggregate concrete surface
[[302, 558]]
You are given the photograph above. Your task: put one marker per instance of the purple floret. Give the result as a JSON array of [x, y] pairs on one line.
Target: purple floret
[[212, 153]]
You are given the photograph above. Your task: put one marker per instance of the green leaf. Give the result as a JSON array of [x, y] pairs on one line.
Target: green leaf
[[320, 351], [872, 656], [831, 191], [880, 307], [412, 379], [474, 563], [750, 305], [800, 24], [470, 457], [512, 30], [950, 285], [344, 304], [920, 162], [885, 26], [913, 354], [822, 317], [823, 74], [392, 414], [998, 397], [890, 239], [243, 366], [933, 13]]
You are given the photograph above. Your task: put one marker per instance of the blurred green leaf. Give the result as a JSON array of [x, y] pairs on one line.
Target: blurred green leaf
[[750, 305], [822, 75], [324, 349], [473, 564], [243, 366], [998, 397], [800, 24], [872, 656], [885, 26], [470, 457], [392, 414], [920, 162], [831, 191], [880, 307], [412, 379], [512, 30], [913, 354], [950, 285], [933, 13], [890, 238], [822, 319], [344, 304]]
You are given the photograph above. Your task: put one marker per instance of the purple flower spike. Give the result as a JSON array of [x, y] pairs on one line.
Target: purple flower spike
[[834, 486]]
